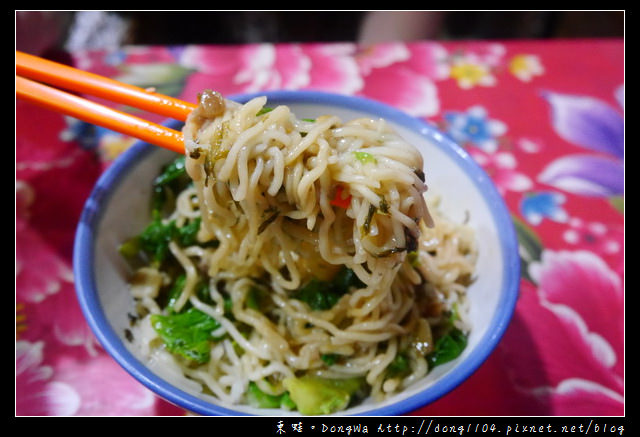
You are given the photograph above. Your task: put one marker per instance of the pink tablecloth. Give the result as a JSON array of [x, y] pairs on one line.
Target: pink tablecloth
[[544, 118]]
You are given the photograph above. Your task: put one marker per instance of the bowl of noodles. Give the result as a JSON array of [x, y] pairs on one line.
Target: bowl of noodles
[[309, 254]]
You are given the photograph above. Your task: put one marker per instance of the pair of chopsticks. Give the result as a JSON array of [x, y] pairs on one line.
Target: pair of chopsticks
[[32, 73]]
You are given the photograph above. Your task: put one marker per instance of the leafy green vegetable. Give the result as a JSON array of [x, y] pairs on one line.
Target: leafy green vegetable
[[399, 366], [130, 248], [187, 334], [313, 395], [203, 293], [346, 279], [286, 402], [260, 399], [365, 157], [255, 298], [168, 184], [175, 291], [228, 306], [323, 295], [319, 295], [188, 233], [448, 347], [155, 239], [171, 172], [330, 359]]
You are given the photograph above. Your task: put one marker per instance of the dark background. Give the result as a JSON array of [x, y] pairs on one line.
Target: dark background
[[235, 27], [40, 32]]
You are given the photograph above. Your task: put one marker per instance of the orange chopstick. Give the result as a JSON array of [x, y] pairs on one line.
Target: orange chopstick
[[30, 67], [63, 76], [94, 113]]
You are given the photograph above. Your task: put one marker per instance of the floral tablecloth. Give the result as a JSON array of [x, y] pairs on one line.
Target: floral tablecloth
[[543, 118]]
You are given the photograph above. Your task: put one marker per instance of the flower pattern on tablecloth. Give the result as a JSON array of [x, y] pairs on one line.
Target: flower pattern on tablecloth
[[525, 67], [596, 126], [475, 127], [550, 139]]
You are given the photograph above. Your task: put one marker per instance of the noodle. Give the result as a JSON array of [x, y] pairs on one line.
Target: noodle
[[317, 253]]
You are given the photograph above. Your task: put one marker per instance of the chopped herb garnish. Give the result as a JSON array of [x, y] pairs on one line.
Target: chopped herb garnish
[[264, 110], [413, 258], [273, 215], [366, 227], [389, 252], [384, 206], [365, 157]]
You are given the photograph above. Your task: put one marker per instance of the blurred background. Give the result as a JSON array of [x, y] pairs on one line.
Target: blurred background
[[46, 32]]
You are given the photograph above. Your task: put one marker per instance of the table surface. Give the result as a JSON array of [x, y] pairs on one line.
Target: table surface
[[543, 118]]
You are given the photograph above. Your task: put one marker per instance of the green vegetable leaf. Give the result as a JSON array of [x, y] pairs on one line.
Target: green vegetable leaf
[[399, 366], [188, 233], [175, 291], [330, 359], [171, 172], [155, 239], [168, 184], [313, 395], [187, 334], [255, 298], [259, 399], [319, 295], [346, 279], [130, 248], [204, 293], [447, 348], [323, 295]]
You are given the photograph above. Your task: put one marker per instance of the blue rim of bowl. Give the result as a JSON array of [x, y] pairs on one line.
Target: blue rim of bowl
[[84, 246]]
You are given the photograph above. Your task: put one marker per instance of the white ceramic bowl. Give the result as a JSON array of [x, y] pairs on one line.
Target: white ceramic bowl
[[118, 208]]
